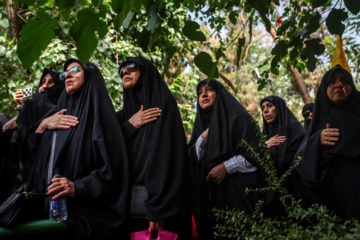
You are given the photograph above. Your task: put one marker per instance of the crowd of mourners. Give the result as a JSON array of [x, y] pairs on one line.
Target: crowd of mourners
[[131, 170]]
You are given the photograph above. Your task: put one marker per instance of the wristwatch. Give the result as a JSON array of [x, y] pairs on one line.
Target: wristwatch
[[18, 107]]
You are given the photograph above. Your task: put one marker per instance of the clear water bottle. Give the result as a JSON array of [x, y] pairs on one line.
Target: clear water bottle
[[58, 209]]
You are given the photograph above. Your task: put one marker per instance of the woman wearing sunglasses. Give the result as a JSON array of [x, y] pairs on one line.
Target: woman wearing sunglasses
[[90, 152], [156, 145]]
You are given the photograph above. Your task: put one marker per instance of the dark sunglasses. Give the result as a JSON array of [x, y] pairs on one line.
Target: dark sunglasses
[[130, 67], [72, 71]]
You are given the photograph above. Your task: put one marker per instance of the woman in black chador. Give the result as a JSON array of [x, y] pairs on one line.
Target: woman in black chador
[[283, 131], [33, 110], [223, 167], [330, 151], [156, 145], [284, 134], [84, 138]]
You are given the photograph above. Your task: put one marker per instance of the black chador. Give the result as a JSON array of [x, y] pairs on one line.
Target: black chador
[[229, 125], [332, 172], [157, 151], [92, 155]]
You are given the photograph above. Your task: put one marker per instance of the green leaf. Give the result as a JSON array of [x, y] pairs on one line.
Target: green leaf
[[154, 20], [353, 6], [192, 31], [241, 44], [96, 3], [334, 21], [35, 36], [262, 7], [84, 33], [313, 47], [128, 19], [211, 8], [280, 49], [64, 4], [233, 17], [312, 25], [318, 3], [204, 62]]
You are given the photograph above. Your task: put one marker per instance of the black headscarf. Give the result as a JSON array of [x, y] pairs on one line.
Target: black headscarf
[[157, 152], [35, 108], [332, 171], [285, 124], [305, 111], [229, 124], [92, 155]]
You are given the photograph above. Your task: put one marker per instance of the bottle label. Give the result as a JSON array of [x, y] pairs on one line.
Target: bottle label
[[55, 205]]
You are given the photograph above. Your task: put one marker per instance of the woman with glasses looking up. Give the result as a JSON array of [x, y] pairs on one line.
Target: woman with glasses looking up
[[87, 146], [156, 145]]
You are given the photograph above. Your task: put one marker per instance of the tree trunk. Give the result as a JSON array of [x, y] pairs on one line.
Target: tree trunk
[[298, 79], [14, 25]]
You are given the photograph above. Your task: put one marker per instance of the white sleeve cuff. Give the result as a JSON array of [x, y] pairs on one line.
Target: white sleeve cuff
[[238, 164]]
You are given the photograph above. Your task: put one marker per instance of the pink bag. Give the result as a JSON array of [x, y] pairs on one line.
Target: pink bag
[[146, 235]]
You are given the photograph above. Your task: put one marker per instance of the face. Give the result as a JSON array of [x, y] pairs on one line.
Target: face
[[207, 96], [46, 82], [339, 89], [74, 79], [130, 75], [269, 111]]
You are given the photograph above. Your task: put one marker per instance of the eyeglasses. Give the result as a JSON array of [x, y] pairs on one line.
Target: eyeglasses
[[130, 68], [72, 71]]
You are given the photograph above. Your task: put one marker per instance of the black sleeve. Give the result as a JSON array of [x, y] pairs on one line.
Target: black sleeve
[[128, 129]]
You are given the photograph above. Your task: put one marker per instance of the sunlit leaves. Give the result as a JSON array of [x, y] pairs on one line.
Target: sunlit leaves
[[35, 37], [313, 47], [204, 62], [334, 21], [85, 32], [192, 31]]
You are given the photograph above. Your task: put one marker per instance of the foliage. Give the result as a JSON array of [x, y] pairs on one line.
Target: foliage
[[314, 222], [89, 24]]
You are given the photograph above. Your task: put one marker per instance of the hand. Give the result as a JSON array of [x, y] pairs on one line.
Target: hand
[[275, 141], [155, 225], [204, 135], [62, 187], [142, 117], [10, 126], [18, 97], [217, 174], [57, 121], [329, 136]]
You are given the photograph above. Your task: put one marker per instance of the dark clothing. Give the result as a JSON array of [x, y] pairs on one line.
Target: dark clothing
[[332, 172], [305, 112], [229, 125], [6, 174], [31, 113], [157, 150], [285, 124], [92, 155]]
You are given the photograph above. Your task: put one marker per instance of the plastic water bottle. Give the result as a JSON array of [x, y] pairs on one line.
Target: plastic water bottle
[[58, 209]]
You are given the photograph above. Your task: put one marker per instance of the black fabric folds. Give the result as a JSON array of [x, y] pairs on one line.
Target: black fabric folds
[[285, 124], [307, 108], [332, 172], [229, 124], [92, 155], [157, 151], [36, 107]]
